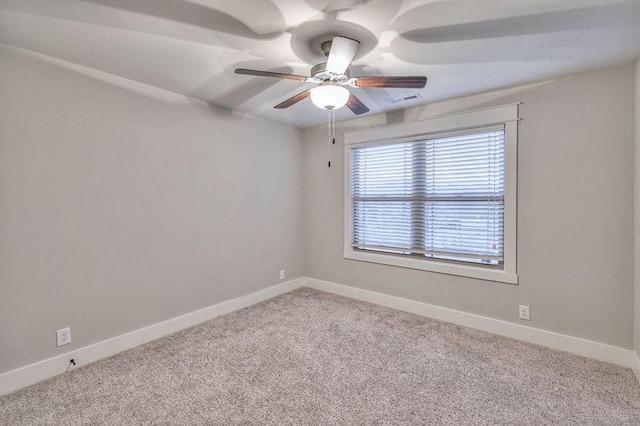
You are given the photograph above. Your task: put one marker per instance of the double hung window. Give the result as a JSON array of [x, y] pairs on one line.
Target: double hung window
[[438, 201]]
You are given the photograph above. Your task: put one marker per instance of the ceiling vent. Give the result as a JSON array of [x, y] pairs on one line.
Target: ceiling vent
[[411, 98]]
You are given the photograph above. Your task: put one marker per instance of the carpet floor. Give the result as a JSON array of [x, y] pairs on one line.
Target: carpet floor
[[309, 357]]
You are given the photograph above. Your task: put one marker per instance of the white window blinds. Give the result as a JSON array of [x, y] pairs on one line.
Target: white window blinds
[[439, 198]]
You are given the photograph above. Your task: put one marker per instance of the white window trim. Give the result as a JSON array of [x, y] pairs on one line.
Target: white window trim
[[506, 115]]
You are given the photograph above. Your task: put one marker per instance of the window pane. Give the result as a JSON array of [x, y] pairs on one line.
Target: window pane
[[440, 198], [384, 225], [382, 170], [469, 230]]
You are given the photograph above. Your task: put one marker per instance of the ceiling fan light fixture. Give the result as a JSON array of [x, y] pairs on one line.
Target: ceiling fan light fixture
[[329, 97]]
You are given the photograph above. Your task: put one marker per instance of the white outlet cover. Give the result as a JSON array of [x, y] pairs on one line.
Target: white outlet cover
[[524, 312], [63, 336], [282, 274]]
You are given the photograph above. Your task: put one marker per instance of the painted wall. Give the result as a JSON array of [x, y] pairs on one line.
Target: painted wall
[[575, 211], [637, 215], [118, 210]]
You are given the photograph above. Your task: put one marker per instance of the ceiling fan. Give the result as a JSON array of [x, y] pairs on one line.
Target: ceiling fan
[[332, 77]]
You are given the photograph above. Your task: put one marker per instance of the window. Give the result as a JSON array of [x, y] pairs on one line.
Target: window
[[442, 197], [438, 200]]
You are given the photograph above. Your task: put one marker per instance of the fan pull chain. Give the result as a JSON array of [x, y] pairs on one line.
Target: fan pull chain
[[333, 119], [330, 136], [332, 131]]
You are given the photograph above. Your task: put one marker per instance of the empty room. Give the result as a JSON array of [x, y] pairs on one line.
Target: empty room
[[319, 212]]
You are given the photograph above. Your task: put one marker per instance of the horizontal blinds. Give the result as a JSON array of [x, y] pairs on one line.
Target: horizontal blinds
[[441, 197]]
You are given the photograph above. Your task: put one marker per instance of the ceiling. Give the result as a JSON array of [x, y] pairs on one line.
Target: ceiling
[[179, 48]]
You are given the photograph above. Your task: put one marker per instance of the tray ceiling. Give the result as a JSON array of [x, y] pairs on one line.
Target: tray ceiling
[[190, 48]]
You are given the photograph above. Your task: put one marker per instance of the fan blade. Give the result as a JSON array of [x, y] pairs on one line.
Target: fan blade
[[270, 74], [415, 82], [294, 99], [342, 52], [356, 105]]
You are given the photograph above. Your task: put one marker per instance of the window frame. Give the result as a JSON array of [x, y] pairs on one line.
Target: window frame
[[506, 115]]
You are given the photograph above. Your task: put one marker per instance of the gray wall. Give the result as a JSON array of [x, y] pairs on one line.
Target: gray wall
[[118, 211], [637, 216], [575, 212]]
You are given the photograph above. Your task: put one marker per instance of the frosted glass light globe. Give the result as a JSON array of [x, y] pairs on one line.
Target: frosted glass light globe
[[329, 97]]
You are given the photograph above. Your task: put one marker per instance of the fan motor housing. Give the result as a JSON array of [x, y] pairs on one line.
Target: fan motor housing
[[320, 72]]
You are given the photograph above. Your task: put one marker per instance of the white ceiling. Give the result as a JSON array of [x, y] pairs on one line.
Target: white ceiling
[[190, 48]]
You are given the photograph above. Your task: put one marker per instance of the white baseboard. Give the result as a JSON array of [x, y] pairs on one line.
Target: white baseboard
[[635, 364], [563, 342], [42, 370]]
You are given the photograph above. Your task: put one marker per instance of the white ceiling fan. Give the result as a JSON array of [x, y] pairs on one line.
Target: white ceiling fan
[[333, 78]]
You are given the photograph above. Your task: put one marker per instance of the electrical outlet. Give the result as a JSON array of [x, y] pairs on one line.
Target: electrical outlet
[[282, 274], [63, 336], [524, 312]]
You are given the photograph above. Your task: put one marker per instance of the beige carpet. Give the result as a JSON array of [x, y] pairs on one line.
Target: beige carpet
[[309, 357]]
